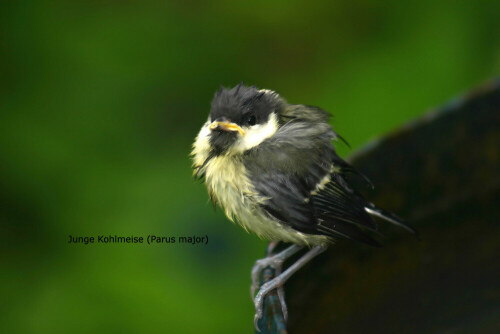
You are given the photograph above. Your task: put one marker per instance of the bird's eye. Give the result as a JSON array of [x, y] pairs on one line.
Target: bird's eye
[[251, 120]]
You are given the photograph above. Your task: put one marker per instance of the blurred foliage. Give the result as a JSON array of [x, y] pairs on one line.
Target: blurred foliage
[[100, 102]]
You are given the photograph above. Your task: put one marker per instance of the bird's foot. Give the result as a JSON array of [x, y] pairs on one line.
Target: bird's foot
[[271, 261], [281, 277], [275, 283], [275, 262], [259, 266]]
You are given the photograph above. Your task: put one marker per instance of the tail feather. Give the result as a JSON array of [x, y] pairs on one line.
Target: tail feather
[[389, 217]]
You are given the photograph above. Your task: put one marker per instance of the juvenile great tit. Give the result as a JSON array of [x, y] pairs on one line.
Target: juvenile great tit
[[273, 169]]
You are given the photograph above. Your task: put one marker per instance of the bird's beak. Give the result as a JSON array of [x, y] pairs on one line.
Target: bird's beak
[[227, 126]]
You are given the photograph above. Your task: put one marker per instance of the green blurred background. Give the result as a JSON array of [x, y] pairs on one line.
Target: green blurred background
[[100, 102]]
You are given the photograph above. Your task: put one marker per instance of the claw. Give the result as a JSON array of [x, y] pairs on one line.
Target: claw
[[256, 322], [264, 290], [284, 308], [275, 283], [258, 306]]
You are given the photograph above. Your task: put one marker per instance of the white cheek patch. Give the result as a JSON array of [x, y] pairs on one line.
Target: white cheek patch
[[254, 135], [201, 146]]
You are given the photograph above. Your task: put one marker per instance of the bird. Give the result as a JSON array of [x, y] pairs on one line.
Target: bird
[[273, 168]]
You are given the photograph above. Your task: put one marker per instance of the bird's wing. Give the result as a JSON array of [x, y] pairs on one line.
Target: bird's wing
[[299, 172]]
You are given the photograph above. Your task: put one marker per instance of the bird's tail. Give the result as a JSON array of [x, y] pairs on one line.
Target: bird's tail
[[389, 217]]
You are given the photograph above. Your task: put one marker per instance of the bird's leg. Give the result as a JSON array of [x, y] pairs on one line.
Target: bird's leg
[[279, 280], [273, 261], [276, 263], [281, 291], [270, 248]]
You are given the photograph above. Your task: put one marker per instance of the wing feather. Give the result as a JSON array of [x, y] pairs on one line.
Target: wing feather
[[303, 179]]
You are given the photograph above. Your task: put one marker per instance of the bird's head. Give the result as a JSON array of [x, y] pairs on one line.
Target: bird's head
[[240, 119]]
